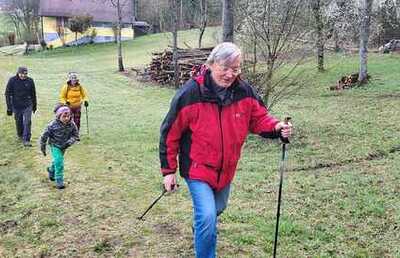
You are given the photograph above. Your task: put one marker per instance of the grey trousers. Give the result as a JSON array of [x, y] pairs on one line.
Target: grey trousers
[[23, 122]]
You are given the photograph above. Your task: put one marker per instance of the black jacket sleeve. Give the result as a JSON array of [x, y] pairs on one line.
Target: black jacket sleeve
[[33, 94], [9, 94]]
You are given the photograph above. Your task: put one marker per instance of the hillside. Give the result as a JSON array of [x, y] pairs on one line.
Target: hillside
[[340, 196]]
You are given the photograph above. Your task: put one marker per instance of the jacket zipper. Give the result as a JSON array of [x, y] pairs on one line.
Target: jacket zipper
[[219, 171]]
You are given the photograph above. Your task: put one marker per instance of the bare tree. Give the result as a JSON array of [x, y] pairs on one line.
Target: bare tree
[[316, 7], [198, 10], [203, 19], [120, 61], [154, 12], [135, 7], [181, 15], [343, 23], [24, 13], [365, 19], [120, 5], [388, 19], [272, 31], [174, 14], [228, 20]]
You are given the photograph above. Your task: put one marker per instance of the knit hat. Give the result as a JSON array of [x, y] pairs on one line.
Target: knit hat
[[22, 69], [57, 106], [61, 110], [72, 76]]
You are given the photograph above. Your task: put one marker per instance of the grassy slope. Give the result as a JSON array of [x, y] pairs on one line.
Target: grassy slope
[[112, 175]]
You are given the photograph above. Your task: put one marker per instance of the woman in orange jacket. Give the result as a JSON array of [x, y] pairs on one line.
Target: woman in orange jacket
[[73, 94]]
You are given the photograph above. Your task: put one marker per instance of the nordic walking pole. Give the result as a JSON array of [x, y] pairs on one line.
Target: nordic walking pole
[[154, 202], [281, 172], [87, 120], [151, 205]]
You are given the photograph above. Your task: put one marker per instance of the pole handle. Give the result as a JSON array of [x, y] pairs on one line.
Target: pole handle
[[284, 139], [173, 187]]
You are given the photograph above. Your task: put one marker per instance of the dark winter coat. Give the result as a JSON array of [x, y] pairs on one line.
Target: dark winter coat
[[59, 134], [208, 133], [20, 94]]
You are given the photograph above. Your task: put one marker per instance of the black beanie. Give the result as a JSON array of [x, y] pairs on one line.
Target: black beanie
[[22, 69]]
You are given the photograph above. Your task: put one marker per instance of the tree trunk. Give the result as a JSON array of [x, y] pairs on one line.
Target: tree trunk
[[255, 54], [203, 23], [227, 20], [181, 15], [336, 41], [365, 12], [319, 27], [268, 81], [175, 24], [37, 31], [16, 26], [134, 10], [120, 61]]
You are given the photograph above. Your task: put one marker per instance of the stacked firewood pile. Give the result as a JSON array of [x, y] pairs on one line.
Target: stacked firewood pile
[[347, 82], [161, 68]]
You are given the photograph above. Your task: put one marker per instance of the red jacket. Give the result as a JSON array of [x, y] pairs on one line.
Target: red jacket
[[208, 135]]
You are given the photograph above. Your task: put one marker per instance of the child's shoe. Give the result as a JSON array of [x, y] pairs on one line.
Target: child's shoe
[[60, 184], [50, 173]]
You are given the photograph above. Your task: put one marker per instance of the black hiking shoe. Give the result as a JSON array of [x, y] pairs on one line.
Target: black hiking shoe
[[27, 144], [50, 174], [60, 186]]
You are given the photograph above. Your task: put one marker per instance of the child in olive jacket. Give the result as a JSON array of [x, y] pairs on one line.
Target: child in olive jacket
[[60, 133]]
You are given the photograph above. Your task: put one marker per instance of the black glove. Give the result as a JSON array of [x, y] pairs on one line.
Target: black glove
[[43, 149], [67, 103], [9, 113], [86, 103]]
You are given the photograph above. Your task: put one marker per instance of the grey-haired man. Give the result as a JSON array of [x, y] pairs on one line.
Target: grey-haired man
[[21, 100]]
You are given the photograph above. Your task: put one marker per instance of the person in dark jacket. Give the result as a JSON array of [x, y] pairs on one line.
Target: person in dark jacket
[[21, 100], [206, 125], [60, 133]]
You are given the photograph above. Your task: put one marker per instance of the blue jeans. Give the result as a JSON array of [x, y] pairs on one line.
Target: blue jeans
[[207, 205], [23, 122]]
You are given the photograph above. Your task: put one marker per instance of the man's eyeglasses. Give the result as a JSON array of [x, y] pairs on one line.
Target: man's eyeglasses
[[224, 68]]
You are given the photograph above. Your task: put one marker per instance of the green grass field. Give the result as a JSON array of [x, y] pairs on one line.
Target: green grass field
[[340, 195]]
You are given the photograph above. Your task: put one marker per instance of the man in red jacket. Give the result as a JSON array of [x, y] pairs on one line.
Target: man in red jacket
[[207, 124]]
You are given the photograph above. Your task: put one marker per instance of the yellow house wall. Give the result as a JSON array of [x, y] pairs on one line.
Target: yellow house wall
[[52, 38]]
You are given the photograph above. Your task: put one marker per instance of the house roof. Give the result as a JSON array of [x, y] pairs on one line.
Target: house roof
[[100, 10]]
